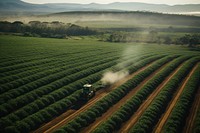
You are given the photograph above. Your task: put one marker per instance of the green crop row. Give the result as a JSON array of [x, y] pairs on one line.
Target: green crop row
[[30, 60], [6, 121], [61, 71], [42, 104], [55, 62], [101, 106], [24, 65], [37, 76], [67, 57], [177, 118], [127, 110], [60, 80], [37, 92], [23, 69], [14, 61], [196, 127], [152, 114], [50, 62]]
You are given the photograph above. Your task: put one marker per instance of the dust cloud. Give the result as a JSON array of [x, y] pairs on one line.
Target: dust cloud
[[121, 70], [112, 77]]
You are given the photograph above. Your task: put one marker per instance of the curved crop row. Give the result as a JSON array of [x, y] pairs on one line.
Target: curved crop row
[[66, 79], [66, 57], [54, 60], [128, 109], [196, 126], [9, 65], [34, 69], [42, 91], [10, 117], [23, 69], [41, 104], [37, 76], [29, 58], [61, 71], [87, 117], [38, 92], [152, 114], [176, 120], [147, 60], [20, 66], [71, 62], [14, 61], [14, 93]]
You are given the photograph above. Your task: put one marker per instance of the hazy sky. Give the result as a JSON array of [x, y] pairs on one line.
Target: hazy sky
[[170, 2]]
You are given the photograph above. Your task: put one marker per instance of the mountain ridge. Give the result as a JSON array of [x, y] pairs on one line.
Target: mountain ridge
[[20, 6]]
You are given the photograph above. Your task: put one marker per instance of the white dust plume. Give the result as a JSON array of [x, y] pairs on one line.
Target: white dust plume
[[112, 77]]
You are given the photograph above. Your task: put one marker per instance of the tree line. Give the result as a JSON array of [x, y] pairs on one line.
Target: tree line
[[153, 36], [56, 29], [53, 29]]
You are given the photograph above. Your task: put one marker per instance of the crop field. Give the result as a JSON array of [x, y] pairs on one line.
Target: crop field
[[146, 87]]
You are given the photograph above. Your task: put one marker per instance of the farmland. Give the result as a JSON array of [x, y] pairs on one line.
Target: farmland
[[41, 84]]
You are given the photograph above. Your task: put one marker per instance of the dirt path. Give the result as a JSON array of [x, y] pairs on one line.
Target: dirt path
[[54, 121], [128, 125], [67, 116], [193, 112], [71, 114], [106, 115], [164, 118]]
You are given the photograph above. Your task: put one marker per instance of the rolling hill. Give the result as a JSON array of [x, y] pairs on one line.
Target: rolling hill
[[23, 7]]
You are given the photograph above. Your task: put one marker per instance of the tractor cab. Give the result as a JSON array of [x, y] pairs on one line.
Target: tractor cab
[[87, 92]]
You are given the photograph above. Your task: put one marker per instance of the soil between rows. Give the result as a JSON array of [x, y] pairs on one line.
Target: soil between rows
[[169, 109], [71, 114], [115, 107], [128, 125], [192, 115]]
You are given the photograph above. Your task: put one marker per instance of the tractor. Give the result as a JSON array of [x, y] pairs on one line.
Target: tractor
[[88, 92]]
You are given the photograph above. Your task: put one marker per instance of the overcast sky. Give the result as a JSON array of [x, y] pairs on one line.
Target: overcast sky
[[170, 2]]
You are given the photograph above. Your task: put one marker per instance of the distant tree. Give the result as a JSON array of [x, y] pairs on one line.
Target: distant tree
[[34, 23], [153, 35], [170, 29], [190, 40], [194, 40], [5, 26], [185, 39], [167, 40], [116, 37], [54, 29], [18, 23], [57, 23]]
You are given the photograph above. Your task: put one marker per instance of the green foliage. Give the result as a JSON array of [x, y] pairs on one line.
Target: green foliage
[[128, 109], [190, 39], [42, 78], [107, 101], [175, 122], [159, 104], [197, 122], [44, 29]]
